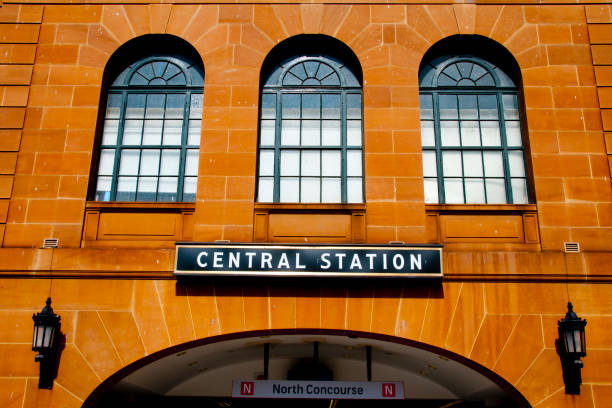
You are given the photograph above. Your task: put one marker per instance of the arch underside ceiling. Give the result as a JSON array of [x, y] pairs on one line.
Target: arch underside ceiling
[[208, 370]]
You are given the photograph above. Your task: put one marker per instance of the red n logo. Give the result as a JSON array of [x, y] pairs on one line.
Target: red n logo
[[388, 390], [247, 388]]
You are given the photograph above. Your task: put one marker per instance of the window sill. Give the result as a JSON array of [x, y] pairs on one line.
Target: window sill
[[310, 206], [490, 226], [144, 205], [137, 224], [481, 207]]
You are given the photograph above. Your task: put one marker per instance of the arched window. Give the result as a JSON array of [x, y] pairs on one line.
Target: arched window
[[473, 149], [151, 132], [310, 146]]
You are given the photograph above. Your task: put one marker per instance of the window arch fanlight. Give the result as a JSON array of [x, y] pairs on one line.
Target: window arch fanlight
[[151, 132], [310, 146], [473, 149]]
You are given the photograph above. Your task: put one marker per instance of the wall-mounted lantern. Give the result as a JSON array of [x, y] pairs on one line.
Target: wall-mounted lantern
[[572, 347], [44, 342]]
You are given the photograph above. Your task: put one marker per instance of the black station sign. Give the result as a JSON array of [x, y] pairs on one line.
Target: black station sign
[[289, 260]]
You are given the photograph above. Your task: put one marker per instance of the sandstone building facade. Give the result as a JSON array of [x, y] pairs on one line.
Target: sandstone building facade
[[128, 126]]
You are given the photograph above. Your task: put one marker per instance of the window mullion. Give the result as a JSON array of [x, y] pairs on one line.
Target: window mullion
[[301, 143], [438, 148], [138, 171], [321, 174], [161, 150], [183, 153], [522, 148], [277, 143], [463, 178], [320, 147], [504, 143], [361, 147], [141, 147], [461, 148], [482, 150], [343, 143], [118, 146]]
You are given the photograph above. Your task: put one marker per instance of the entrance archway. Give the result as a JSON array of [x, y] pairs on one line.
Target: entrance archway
[[200, 373]]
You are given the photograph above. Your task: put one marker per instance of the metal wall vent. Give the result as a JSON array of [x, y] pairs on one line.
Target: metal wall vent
[[572, 247], [50, 242]]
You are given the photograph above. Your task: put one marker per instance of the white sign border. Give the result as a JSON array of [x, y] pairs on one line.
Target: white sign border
[[297, 273]]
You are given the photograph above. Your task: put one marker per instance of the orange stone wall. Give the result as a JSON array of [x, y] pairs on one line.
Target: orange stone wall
[[509, 328], [498, 304], [55, 56]]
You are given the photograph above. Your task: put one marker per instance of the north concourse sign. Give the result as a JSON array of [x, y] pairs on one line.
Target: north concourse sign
[[318, 389], [315, 261]]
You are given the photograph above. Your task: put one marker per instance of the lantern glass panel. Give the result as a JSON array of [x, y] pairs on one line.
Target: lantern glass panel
[[569, 342], [577, 340], [49, 331], [38, 336]]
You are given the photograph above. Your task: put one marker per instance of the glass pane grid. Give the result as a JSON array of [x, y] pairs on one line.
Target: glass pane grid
[[473, 177], [146, 140], [314, 176], [310, 138], [311, 119], [463, 131]]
